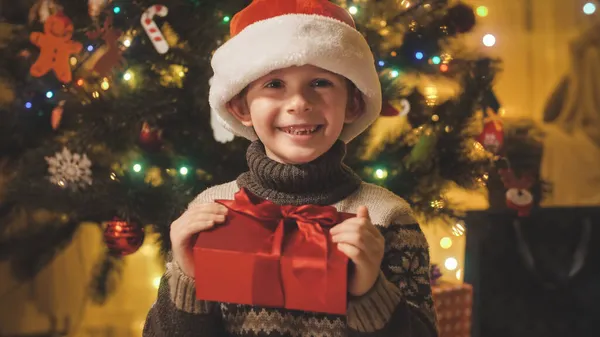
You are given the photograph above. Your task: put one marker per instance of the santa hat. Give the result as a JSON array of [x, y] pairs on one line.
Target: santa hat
[[275, 34]]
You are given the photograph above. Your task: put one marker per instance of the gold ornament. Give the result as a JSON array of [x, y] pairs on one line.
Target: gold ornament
[[154, 176]]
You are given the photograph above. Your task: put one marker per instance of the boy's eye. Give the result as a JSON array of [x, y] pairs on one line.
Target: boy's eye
[[322, 83], [274, 84]]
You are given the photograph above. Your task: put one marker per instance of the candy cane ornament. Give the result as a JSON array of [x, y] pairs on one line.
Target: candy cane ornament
[[154, 33]]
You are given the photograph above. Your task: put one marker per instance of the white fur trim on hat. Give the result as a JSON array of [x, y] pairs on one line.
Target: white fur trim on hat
[[294, 40]]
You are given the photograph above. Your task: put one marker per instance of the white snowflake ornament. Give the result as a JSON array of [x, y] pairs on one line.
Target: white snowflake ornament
[[69, 170]]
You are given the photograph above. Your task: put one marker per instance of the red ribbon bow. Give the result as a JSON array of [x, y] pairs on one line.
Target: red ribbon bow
[[305, 236]]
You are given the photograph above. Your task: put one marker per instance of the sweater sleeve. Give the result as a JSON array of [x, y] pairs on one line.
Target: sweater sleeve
[[400, 302], [176, 311]]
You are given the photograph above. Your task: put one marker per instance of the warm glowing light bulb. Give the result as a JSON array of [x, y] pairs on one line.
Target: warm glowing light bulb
[[156, 282], [353, 10], [446, 242], [489, 40], [482, 11], [589, 8], [451, 263], [459, 228], [381, 174]]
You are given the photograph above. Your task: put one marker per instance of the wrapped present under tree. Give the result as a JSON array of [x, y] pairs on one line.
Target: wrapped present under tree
[[453, 304]]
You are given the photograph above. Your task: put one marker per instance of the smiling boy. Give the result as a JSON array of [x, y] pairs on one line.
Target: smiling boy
[[299, 81]]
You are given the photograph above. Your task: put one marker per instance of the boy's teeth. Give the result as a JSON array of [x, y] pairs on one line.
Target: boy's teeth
[[300, 131]]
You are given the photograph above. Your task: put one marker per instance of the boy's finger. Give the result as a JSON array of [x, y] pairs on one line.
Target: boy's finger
[[351, 224], [352, 238], [352, 252], [354, 225], [183, 234], [210, 208], [362, 212], [218, 218]]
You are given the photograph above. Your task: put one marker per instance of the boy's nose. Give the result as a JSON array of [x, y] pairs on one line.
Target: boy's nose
[[298, 103]]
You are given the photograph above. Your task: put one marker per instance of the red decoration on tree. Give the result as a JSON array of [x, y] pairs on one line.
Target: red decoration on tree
[[462, 17], [150, 137], [492, 136], [399, 107], [57, 113], [518, 195], [123, 237], [113, 55], [156, 36]]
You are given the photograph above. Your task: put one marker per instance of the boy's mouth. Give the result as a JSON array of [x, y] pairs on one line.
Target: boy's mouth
[[301, 129]]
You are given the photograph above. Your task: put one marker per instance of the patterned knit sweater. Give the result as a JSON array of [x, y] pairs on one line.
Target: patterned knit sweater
[[399, 304]]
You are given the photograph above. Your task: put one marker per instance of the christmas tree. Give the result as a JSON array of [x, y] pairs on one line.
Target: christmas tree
[[105, 117]]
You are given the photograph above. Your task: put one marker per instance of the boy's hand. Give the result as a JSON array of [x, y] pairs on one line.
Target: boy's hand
[[364, 245], [196, 219]]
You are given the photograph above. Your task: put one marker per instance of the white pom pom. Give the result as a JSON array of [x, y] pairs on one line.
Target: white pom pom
[[221, 134]]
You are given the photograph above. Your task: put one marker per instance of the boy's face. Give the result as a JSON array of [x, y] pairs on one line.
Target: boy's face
[[298, 112]]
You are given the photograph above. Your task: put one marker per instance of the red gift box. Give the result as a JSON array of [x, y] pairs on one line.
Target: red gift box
[[273, 256], [453, 303]]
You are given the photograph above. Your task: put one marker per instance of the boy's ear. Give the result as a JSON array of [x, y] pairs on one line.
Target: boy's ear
[[239, 109], [356, 106]]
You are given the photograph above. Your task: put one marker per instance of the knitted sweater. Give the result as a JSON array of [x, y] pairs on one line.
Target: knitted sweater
[[399, 304]]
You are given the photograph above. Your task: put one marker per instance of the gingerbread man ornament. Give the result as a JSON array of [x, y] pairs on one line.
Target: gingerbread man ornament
[[55, 48]]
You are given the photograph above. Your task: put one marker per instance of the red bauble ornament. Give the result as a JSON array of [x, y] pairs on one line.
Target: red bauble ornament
[[123, 237], [492, 136], [150, 138], [462, 17]]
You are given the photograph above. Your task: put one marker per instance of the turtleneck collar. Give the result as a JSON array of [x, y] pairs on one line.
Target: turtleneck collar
[[324, 181]]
